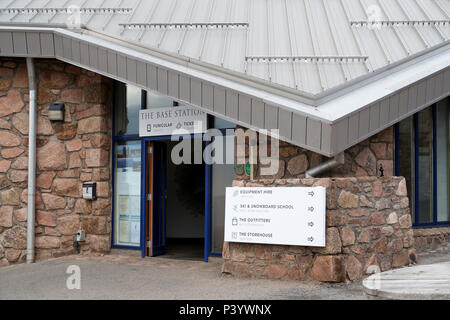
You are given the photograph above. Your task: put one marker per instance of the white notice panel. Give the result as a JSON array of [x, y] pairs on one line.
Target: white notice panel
[[167, 121], [286, 216]]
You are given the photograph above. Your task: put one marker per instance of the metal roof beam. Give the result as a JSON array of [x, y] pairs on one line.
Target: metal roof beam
[[67, 10], [192, 25], [308, 59], [400, 23]]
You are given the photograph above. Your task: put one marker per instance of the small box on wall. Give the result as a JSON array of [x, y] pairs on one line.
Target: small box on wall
[[56, 112], [90, 190]]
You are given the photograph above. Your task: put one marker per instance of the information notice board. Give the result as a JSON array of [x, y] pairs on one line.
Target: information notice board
[[281, 215]]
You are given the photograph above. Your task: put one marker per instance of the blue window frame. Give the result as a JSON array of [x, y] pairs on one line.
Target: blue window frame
[[122, 135], [422, 150]]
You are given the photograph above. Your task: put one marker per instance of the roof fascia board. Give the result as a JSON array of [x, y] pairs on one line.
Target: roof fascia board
[[313, 100], [326, 119], [388, 82], [305, 130], [273, 93], [185, 66], [380, 89], [329, 111], [294, 94], [351, 85]]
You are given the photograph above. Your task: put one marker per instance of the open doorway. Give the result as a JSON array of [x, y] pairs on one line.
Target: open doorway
[[177, 215], [185, 213]]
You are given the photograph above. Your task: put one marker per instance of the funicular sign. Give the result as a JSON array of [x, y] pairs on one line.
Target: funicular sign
[[170, 120]]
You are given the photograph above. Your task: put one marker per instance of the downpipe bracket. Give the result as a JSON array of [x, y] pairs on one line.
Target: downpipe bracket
[[328, 165]]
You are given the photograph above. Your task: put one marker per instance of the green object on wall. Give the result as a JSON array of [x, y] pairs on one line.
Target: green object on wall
[[248, 169]]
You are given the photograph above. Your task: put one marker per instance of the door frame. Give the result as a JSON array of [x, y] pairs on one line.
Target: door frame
[[144, 203], [113, 195]]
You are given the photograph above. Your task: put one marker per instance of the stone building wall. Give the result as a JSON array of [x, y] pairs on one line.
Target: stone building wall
[[364, 159], [430, 239], [68, 154], [368, 223]]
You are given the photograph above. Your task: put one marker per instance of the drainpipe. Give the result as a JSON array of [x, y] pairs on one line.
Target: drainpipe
[[326, 166], [31, 161]]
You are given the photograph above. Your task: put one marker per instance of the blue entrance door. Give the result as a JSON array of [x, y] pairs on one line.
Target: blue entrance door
[[160, 196]]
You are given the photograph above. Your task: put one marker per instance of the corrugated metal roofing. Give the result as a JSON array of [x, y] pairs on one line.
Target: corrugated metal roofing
[[276, 28], [320, 71]]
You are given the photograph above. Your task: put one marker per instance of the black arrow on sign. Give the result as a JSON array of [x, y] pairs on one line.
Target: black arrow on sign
[[311, 209], [311, 239], [311, 193], [311, 224]]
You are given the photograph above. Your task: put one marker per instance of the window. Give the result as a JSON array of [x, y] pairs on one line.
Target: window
[[154, 100], [127, 166], [405, 157], [424, 140], [442, 161], [127, 106], [422, 154], [222, 174], [127, 193], [222, 177], [220, 123]]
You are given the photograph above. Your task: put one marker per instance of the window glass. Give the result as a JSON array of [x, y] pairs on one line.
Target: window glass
[[425, 165], [155, 100], [442, 158], [127, 197], [127, 106], [220, 123], [222, 177], [406, 157]]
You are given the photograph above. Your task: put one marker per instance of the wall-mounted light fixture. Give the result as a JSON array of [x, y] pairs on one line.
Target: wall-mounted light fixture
[[56, 112]]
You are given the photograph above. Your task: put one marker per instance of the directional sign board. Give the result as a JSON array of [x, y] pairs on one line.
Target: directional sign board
[[285, 216]]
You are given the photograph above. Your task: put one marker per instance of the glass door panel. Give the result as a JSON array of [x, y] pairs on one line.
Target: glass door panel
[[406, 157], [442, 161], [127, 193], [425, 165]]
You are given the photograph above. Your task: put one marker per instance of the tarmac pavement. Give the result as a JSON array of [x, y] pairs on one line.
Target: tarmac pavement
[[429, 280], [119, 276]]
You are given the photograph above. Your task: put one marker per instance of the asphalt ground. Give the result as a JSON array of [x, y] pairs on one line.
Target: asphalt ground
[[118, 276]]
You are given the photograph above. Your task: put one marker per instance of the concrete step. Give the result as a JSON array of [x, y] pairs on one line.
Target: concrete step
[[424, 282]]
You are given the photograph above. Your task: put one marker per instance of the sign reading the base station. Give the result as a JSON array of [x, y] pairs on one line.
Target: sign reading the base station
[[284, 216], [171, 121]]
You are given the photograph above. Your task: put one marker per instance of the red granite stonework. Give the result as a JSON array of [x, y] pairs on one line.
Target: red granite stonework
[[68, 153]]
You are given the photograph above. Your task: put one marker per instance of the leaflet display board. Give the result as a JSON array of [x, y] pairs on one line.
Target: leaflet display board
[[128, 193], [284, 215], [167, 121]]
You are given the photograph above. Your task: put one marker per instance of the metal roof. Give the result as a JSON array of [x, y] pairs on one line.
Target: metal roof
[[325, 72], [276, 29]]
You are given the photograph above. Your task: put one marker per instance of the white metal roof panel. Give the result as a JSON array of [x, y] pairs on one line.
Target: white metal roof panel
[[288, 28], [265, 63]]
